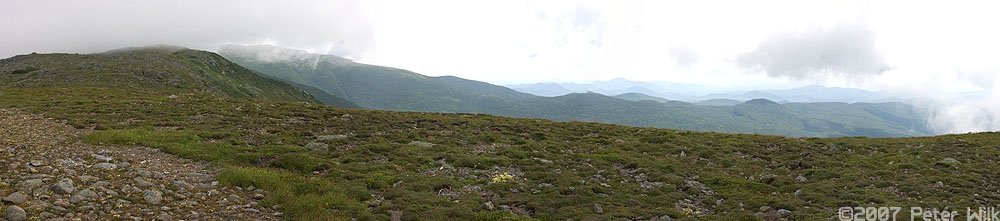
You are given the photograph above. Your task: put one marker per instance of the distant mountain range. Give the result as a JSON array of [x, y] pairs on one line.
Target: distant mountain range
[[698, 93], [386, 88]]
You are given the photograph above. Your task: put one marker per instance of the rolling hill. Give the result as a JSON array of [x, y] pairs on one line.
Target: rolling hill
[[640, 97], [384, 88], [163, 67]]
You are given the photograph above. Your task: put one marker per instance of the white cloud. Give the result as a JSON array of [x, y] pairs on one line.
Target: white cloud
[[337, 27], [844, 50]]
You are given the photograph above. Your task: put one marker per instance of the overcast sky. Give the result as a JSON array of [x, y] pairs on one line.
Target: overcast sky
[[935, 48]]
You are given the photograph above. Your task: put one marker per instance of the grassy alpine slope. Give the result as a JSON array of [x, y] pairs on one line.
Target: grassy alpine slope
[[160, 68], [322, 163]]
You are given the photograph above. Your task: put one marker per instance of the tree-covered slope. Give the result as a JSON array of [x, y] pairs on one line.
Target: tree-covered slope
[[155, 68], [640, 97], [375, 87]]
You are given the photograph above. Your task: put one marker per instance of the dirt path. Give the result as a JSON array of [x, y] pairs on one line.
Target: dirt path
[[49, 175]]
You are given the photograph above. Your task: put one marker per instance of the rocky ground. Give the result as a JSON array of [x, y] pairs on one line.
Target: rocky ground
[[51, 175]]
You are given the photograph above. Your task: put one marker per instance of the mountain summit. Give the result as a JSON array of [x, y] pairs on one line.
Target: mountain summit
[[159, 67]]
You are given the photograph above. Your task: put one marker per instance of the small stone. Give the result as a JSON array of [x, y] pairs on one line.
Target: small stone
[[102, 183], [83, 195], [765, 209], [331, 137], [152, 196], [768, 178], [15, 213], [421, 144], [37, 205], [801, 178], [784, 213], [172, 96], [143, 173], [87, 178], [598, 209], [101, 157], [61, 202], [16, 198], [63, 187], [164, 216], [106, 166], [142, 182], [234, 198], [258, 196], [488, 205], [949, 160], [31, 183], [36, 163], [396, 215], [318, 146]]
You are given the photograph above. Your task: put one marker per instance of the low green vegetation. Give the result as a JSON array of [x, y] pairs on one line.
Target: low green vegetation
[[478, 167]]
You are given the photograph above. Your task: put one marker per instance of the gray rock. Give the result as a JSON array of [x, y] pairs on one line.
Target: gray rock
[[152, 196], [106, 166], [36, 163], [768, 178], [87, 178], [331, 137], [15, 213], [421, 144], [143, 172], [61, 203], [83, 195], [488, 205], [950, 160], [63, 187], [16, 198], [139, 181], [318, 146], [164, 216], [801, 178], [101, 157], [598, 209], [396, 215], [31, 183], [666, 218], [784, 213], [183, 185], [102, 183]]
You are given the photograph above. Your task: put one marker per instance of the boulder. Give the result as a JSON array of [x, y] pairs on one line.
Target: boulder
[[15, 213]]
